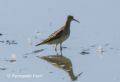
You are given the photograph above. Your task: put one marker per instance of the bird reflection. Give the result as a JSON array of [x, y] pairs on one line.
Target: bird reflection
[[63, 63]]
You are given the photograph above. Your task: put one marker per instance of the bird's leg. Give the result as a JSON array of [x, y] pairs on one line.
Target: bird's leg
[[56, 47], [61, 48]]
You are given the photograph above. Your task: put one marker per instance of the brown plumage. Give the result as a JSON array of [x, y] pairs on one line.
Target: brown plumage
[[59, 36]]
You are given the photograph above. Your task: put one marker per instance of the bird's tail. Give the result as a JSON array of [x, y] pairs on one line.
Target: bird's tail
[[39, 44]]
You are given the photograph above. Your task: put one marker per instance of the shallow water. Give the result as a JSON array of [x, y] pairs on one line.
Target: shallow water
[[91, 54]]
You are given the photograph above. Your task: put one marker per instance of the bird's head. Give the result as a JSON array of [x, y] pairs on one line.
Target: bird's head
[[71, 18]]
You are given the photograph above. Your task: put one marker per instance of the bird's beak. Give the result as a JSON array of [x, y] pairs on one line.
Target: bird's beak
[[76, 20]]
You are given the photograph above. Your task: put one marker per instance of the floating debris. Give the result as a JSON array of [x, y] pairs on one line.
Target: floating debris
[[12, 61], [2, 68], [2, 41], [1, 34], [93, 45], [8, 42], [116, 49], [11, 42], [13, 58], [50, 72], [100, 49], [84, 53]]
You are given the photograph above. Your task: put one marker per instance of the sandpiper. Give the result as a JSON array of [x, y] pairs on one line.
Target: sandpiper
[[59, 36]]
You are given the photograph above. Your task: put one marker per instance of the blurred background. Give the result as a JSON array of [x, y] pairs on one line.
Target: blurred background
[[91, 53]]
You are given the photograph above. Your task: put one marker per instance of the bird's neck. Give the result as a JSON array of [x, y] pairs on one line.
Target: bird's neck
[[67, 25], [71, 74]]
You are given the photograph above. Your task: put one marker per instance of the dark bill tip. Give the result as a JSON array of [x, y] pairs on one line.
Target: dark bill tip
[[76, 20]]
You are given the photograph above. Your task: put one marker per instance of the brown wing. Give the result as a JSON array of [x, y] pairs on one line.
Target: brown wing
[[57, 34], [54, 36]]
